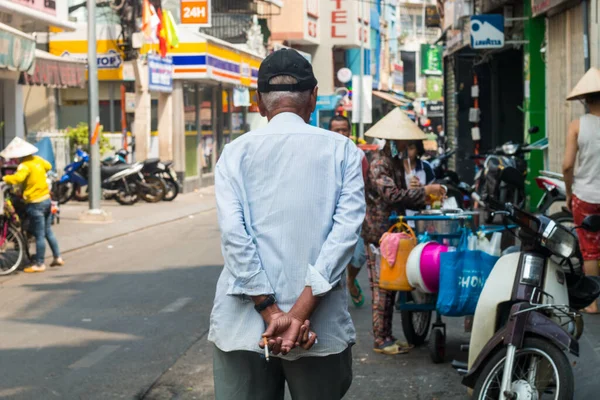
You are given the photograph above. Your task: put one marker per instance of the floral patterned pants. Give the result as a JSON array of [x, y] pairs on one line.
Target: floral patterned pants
[[382, 304]]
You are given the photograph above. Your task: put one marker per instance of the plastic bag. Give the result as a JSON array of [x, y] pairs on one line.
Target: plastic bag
[[462, 277], [392, 272]]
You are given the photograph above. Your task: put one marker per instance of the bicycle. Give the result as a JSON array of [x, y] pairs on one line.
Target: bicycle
[[13, 244]]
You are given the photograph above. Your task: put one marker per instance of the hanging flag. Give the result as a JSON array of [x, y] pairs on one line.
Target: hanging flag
[[146, 15], [172, 35], [162, 34]]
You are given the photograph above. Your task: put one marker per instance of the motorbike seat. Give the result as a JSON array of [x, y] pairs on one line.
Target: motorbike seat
[[107, 171], [152, 161]]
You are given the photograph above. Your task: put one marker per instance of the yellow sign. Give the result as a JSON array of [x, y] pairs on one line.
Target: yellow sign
[[109, 56]]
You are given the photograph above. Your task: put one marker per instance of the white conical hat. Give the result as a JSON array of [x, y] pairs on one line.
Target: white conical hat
[[396, 126], [18, 148], [590, 83]]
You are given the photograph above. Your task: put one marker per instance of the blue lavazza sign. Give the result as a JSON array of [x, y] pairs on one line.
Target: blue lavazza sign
[[161, 73], [487, 31]]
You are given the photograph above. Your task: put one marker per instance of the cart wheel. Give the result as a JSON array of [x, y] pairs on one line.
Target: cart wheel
[[415, 325], [437, 346]]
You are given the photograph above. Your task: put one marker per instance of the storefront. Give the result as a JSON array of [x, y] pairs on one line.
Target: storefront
[[214, 82], [564, 61], [112, 72], [17, 54]]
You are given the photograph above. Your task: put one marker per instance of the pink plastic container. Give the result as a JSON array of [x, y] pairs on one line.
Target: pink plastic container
[[430, 266]]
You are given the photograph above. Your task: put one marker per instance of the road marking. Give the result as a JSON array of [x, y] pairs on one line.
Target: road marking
[[176, 305], [94, 357]]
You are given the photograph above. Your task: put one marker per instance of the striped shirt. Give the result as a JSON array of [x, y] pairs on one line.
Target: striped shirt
[[290, 202]]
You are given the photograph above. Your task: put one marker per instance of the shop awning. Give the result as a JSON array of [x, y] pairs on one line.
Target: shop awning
[[17, 52], [203, 57], [391, 98], [56, 72]]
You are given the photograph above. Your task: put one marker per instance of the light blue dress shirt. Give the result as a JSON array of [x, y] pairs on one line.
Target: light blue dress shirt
[[290, 202]]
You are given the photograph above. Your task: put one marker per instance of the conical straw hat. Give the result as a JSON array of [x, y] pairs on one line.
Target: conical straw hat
[[396, 126], [18, 148], [590, 83]]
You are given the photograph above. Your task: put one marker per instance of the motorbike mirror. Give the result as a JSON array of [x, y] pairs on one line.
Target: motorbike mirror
[[591, 223], [534, 129]]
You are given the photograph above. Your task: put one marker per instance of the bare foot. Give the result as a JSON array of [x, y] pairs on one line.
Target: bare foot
[[592, 309]]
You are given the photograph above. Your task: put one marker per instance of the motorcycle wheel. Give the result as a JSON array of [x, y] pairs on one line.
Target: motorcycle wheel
[[63, 192], [127, 197], [563, 218], [172, 189], [153, 189], [80, 193], [538, 354]]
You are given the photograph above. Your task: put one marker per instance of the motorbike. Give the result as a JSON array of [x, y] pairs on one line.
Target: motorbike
[[122, 181], [554, 191], [527, 317], [461, 191], [501, 177], [153, 169], [16, 238]]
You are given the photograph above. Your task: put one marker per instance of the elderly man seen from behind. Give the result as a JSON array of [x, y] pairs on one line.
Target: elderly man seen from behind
[[290, 201]]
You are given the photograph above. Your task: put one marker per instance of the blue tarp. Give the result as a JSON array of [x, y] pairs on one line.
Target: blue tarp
[[46, 151]]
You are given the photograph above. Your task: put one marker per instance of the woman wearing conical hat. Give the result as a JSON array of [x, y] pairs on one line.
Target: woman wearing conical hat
[[581, 169], [387, 190], [31, 173]]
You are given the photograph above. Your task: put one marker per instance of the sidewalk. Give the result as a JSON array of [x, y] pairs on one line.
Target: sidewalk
[[73, 234]]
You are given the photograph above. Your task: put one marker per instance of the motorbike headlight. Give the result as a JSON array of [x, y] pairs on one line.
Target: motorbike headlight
[[509, 148], [559, 240], [532, 271]]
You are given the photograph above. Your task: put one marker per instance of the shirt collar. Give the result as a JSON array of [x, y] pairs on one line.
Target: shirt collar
[[287, 117]]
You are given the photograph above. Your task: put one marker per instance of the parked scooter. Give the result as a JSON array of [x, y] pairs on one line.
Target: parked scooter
[[153, 168], [554, 192], [527, 314], [502, 176], [121, 181]]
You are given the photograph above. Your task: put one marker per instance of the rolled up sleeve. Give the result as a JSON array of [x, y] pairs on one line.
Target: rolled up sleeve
[[349, 214], [238, 248]]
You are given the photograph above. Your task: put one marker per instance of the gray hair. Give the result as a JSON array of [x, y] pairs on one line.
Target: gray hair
[[294, 99]]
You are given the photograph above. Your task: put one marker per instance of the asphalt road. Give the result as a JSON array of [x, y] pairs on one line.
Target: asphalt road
[[109, 323], [128, 318]]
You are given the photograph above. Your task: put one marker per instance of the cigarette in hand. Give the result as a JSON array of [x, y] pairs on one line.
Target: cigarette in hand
[[266, 342]]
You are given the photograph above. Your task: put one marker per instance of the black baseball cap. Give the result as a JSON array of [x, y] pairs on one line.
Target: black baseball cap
[[286, 62]]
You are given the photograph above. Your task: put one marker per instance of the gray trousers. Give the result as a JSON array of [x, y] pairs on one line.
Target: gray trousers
[[245, 375]]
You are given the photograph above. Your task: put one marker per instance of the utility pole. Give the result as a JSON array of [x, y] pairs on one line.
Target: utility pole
[[94, 185], [361, 124], [93, 123]]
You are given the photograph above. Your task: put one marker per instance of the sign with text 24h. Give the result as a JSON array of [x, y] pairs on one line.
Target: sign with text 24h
[[487, 31], [161, 74], [196, 12]]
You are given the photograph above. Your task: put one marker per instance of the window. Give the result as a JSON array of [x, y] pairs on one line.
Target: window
[[419, 22]]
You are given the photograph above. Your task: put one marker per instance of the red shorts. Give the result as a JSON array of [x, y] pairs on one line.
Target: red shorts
[[589, 242]]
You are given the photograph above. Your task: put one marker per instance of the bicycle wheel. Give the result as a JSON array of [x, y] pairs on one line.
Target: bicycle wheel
[[12, 249]]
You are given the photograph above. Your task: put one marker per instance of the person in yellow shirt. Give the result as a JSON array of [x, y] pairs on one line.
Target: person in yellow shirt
[[31, 174]]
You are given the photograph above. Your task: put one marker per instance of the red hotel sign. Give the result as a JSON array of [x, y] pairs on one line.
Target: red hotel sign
[[346, 28], [339, 20]]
